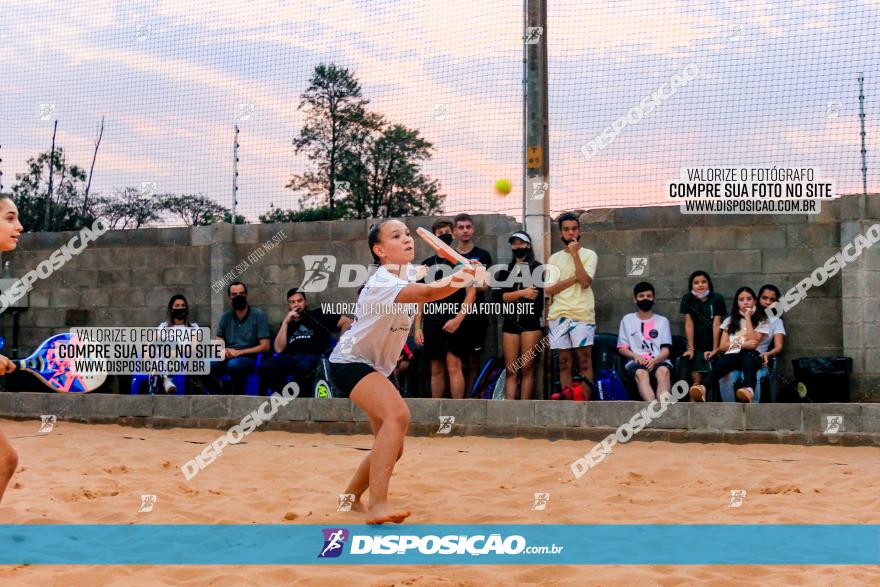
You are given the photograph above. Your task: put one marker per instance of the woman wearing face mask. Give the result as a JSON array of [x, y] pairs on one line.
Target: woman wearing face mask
[[702, 309], [742, 332], [178, 317], [521, 329]]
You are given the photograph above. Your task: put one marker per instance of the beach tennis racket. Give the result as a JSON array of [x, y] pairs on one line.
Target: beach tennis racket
[[441, 248], [59, 374]]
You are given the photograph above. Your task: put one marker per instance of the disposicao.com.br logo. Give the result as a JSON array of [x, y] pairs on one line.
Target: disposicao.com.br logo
[[429, 544]]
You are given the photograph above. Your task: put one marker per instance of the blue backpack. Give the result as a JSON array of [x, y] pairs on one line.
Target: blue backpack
[[609, 387]]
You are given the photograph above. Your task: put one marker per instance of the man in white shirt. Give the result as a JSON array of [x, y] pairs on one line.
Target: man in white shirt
[[646, 340]]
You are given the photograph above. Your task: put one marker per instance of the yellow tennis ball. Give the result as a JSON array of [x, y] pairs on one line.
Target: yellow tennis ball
[[502, 186]]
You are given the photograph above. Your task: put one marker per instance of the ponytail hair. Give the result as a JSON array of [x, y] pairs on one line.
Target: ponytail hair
[[373, 238]]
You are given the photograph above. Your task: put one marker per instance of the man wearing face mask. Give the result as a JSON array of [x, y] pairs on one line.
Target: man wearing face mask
[[245, 331], [433, 329], [572, 315], [646, 340]]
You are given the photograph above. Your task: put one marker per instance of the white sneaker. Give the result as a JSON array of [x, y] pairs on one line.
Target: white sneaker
[[169, 386]]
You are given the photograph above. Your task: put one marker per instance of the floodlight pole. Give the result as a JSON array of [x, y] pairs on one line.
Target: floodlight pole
[[536, 211]]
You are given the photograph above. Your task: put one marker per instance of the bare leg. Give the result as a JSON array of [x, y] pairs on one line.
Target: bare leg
[[438, 378], [643, 380], [565, 367], [8, 463], [361, 480], [456, 378], [381, 401], [529, 341], [664, 381], [585, 366], [510, 344]]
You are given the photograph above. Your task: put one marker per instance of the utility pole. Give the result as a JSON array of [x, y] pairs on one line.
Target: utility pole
[[536, 200], [536, 195]]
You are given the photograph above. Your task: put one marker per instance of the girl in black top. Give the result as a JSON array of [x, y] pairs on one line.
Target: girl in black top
[[522, 328], [703, 310]]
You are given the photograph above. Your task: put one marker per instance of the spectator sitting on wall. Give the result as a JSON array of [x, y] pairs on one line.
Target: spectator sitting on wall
[[767, 296], [742, 332], [178, 317], [245, 331], [703, 310], [646, 340], [304, 335]]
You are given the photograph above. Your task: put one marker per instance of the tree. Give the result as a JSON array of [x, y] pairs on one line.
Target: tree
[[336, 122], [378, 162], [129, 208], [194, 210], [306, 215], [68, 209], [239, 219], [385, 176]]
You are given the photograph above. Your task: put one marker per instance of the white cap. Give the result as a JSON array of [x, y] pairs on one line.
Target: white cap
[[521, 236]]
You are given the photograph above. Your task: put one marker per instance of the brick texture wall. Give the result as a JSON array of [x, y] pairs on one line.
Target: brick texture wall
[[127, 277]]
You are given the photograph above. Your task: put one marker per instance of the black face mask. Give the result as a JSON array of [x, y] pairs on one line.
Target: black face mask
[[446, 238], [520, 253], [645, 305], [239, 302], [178, 314]]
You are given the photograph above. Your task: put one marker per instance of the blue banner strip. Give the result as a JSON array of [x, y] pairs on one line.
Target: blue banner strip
[[297, 544]]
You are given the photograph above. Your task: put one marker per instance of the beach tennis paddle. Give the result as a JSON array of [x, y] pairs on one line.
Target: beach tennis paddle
[[59, 374], [441, 248]]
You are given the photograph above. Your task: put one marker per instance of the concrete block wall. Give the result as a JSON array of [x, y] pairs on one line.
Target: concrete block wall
[[750, 250], [127, 277], [683, 422]]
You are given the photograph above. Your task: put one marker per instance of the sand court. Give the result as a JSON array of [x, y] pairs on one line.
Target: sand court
[[96, 474]]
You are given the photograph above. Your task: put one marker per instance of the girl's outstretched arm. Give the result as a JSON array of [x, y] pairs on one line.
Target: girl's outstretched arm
[[443, 288]]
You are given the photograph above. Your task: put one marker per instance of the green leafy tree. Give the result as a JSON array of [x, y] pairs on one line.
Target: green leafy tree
[[239, 219], [194, 210], [386, 179], [305, 215], [336, 121], [369, 166], [66, 206], [129, 208]]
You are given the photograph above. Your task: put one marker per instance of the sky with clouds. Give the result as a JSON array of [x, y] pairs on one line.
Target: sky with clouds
[[776, 85]]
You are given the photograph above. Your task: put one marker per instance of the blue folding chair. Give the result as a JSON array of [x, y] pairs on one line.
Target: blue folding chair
[[252, 386]]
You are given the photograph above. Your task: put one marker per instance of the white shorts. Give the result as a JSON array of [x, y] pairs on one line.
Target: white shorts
[[566, 333]]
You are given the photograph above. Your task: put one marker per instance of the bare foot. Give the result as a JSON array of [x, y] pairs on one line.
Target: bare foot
[[380, 514], [358, 506]]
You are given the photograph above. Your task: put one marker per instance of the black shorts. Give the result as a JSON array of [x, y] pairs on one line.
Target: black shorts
[[436, 340], [521, 325], [632, 367], [345, 376], [470, 338]]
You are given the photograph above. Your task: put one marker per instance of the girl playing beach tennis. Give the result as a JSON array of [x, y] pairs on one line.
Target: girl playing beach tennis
[[10, 230], [367, 354]]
